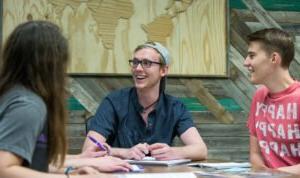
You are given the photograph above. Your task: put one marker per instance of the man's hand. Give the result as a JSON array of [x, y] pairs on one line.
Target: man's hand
[[162, 151], [136, 152]]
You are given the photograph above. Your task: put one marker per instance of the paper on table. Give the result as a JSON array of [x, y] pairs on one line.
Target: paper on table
[[159, 175], [137, 168], [152, 161], [225, 165], [209, 174]]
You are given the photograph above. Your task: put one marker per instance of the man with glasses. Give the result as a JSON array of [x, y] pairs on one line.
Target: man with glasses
[[143, 120]]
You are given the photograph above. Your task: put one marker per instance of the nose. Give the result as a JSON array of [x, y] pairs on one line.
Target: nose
[[246, 62], [139, 67]]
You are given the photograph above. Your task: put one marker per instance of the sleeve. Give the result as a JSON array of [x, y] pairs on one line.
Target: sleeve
[[21, 123], [185, 120], [104, 120]]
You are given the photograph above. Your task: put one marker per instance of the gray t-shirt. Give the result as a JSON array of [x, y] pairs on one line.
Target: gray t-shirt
[[22, 126]]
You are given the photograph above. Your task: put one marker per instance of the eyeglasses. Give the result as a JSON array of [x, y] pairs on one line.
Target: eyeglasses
[[146, 63]]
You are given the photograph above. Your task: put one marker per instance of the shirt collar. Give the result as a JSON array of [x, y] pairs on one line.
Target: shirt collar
[[159, 106]]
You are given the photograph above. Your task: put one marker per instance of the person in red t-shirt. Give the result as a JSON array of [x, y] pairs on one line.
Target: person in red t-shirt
[[274, 119]]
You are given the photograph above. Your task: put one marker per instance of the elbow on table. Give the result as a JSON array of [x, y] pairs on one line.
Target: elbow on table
[[202, 153]]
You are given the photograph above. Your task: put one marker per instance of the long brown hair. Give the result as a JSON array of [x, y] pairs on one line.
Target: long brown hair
[[36, 55]]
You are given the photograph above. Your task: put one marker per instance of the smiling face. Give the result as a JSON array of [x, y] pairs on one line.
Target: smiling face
[[259, 63], [148, 78]]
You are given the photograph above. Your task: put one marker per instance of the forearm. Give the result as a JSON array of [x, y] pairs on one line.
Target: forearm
[[256, 158], [257, 161], [71, 160], [55, 169], [194, 152], [22, 172], [119, 152], [17, 171], [73, 156], [194, 148], [295, 169], [80, 162]]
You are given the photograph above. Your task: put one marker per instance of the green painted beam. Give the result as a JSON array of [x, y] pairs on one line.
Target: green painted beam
[[193, 104], [272, 5], [74, 105]]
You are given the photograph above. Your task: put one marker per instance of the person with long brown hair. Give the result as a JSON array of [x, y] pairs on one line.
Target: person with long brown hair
[[32, 102]]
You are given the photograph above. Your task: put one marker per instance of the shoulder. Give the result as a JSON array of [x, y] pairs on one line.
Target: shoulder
[[262, 91], [174, 102], [20, 98], [117, 98], [171, 99], [120, 94], [297, 85]]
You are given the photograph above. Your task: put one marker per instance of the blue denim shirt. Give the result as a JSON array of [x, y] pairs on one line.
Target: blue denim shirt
[[118, 119]]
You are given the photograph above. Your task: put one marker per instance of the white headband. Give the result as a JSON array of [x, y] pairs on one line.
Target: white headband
[[162, 50]]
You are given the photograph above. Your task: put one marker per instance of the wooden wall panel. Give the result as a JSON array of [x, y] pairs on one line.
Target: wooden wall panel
[[103, 33], [199, 40]]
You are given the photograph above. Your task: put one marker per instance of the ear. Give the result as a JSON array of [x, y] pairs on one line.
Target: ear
[[164, 71], [276, 58]]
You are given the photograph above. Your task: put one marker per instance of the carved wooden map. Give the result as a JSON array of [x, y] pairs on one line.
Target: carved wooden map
[[103, 33]]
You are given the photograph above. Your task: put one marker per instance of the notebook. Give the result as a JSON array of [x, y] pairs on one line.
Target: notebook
[[159, 175], [152, 161], [224, 165]]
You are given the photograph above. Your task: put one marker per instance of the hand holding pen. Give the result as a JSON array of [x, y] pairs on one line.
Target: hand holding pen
[[101, 146]]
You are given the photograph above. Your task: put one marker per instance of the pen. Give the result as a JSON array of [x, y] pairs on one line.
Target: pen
[[101, 146]]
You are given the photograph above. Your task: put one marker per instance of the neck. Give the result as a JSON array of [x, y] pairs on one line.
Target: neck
[[146, 108], [279, 82], [148, 98]]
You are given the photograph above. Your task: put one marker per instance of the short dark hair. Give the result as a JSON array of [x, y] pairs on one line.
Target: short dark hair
[[275, 40]]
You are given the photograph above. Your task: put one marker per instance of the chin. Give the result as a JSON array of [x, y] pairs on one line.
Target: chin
[[254, 81], [139, 86]]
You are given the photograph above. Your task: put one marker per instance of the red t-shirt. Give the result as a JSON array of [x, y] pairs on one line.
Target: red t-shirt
[[274, 120]]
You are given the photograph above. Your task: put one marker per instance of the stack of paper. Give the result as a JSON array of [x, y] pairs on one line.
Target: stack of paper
[[152, 161], [159, 175], [221, 170], [225, 165]]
